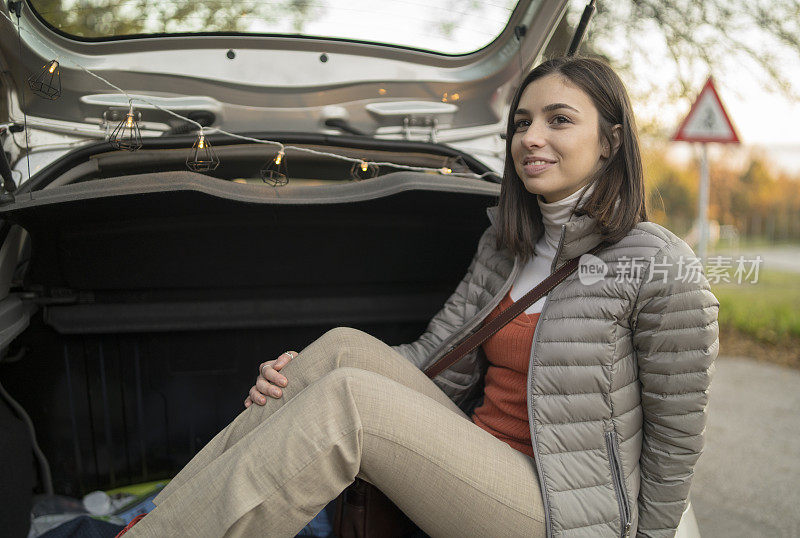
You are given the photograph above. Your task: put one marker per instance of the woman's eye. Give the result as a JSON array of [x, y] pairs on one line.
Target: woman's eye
[[556, 119], [521, 123]]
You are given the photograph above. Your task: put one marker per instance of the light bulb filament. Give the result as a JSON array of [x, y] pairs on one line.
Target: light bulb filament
[[201, 143], [279, 157], [445, 170], [53, 66], [129, 123], [363, 166]]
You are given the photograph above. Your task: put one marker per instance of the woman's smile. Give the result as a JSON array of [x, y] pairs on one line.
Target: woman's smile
[[536, 167]]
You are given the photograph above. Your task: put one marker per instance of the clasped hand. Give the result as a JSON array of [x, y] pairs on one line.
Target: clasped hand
[[269, 381]]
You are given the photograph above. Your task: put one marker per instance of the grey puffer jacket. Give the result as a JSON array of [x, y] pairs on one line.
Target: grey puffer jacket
[[618, 376]]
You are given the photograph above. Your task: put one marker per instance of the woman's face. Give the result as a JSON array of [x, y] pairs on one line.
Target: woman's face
[[556, 145]]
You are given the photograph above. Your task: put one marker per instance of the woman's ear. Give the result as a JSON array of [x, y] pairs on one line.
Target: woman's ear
[[616, 141]]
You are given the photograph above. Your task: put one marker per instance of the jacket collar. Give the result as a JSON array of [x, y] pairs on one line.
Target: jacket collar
[[579, 236]]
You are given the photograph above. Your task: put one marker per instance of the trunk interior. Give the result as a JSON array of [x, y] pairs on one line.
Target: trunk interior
[[158, 294]]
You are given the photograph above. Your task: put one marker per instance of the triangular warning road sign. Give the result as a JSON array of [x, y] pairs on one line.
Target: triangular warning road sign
[[707, 120]]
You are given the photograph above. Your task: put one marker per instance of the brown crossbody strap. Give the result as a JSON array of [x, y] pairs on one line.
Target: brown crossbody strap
[[477, 338]]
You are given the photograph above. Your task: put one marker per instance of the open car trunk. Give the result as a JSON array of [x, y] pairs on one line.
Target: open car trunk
[[151, 297]]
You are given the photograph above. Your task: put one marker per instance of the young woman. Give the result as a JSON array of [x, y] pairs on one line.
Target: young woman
[[582, 417]]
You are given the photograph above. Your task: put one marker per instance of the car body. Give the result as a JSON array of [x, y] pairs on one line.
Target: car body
[[139, 296]]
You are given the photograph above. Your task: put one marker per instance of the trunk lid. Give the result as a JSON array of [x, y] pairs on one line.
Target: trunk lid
[[380, 81]]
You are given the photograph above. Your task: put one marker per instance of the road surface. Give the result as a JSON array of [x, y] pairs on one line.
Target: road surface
[[782, 258], [747, 481]]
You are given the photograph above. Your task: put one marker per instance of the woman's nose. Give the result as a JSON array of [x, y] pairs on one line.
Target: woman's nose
[[533, 137]]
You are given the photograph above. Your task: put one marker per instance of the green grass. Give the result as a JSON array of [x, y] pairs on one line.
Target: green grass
[[768, 311]]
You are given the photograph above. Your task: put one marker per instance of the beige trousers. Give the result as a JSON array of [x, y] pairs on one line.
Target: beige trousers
[[353, 407]]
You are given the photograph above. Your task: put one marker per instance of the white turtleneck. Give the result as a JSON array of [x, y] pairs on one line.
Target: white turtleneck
[[537, 268]]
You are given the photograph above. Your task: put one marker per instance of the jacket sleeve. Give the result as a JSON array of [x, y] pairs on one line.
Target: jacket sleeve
[[449, 319], [676, 339]]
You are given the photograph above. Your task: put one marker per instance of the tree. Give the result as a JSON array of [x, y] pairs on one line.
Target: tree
[[687, 39], [671, 190], [103, 18]]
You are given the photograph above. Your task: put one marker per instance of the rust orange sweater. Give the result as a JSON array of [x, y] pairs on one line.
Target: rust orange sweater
[[504, 411]]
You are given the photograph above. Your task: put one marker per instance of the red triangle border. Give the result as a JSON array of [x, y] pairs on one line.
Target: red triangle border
[[682, 137]]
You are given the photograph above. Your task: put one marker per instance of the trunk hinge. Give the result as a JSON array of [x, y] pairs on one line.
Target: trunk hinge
[[15, 7]]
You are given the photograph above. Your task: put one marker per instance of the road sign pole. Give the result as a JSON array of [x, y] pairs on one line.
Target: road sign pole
[[706, 122], [703, 205]]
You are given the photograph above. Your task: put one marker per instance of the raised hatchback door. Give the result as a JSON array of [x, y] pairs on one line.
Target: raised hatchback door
[[258, 79]]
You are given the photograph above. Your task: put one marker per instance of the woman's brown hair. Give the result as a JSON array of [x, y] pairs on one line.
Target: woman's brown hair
[[620, 177]]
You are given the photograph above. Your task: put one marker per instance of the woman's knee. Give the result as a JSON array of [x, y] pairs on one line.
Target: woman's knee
[[347, 337], [347, 346], [338, 347]]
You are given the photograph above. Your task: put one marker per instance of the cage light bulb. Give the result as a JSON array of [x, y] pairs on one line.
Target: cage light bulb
[[126, 135], [275, 172], [361, 169], [47, 82], [202, 157]]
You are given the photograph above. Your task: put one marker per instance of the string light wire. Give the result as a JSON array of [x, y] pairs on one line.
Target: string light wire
[[24, 115], [202, 129]]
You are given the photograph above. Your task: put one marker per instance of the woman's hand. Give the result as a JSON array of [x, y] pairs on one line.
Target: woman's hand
[[269, 381]]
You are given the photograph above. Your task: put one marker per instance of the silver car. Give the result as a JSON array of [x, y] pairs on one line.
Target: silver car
[[202, 184]]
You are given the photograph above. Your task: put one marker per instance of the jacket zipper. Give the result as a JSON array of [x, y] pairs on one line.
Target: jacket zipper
[[548, 524], [619, 486], [558, 251]]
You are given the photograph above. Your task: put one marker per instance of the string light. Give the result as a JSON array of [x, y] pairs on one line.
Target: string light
[[53, 91], [455, 162], [47, 84], [127, 135], [363, 170], [202, 158], [275, 171]]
